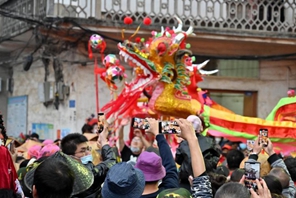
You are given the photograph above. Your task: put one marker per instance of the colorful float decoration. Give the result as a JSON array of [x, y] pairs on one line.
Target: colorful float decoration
[[165, 82]]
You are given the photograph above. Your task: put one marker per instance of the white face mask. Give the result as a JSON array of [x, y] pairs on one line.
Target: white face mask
[[217, 139], [135, 149], [1, 142]]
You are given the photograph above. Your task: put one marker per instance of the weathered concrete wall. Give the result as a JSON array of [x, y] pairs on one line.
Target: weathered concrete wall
[[271, 86], [82, 90], [4, 75]]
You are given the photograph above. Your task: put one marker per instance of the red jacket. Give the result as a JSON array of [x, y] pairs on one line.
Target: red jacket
[[7, 170]]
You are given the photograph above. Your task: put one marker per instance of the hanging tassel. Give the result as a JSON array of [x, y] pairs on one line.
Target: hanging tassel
[[103, 47], [90, 53], [137, 30], [122, 34]]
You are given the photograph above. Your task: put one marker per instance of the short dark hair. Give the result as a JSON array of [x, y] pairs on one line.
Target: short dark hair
[[24, 163], [237, 175], [290, 163], [87, 128], [273, 184], [3, 129], [222, 170], [216, 181], [7, 193], [232, 190], [19, 158], [282, 176], [53, 179], [69, 143], [35, 135], [234, 158]]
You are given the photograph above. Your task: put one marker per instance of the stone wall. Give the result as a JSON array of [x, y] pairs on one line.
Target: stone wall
[[82, 89], [271, 86], [4, 75]]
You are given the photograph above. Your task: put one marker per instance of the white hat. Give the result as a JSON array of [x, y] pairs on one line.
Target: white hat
[[196, 122]]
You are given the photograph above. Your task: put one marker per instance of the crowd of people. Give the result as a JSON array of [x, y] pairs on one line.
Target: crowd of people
[[145, 166]]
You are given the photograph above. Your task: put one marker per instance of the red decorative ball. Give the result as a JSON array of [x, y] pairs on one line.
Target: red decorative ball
[[128, 20], [161, 48], [147, 21], [138, 39]]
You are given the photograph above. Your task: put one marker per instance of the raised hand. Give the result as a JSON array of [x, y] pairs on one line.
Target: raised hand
[[262, 192]]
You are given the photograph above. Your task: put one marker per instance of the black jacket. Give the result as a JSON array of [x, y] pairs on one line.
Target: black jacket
[[100, 172], [183, 157]]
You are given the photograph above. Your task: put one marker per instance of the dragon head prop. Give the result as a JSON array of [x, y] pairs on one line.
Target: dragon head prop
[[163, 72]]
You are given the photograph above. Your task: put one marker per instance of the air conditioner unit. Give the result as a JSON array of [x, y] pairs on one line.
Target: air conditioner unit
[[62, 10], [46, 91]]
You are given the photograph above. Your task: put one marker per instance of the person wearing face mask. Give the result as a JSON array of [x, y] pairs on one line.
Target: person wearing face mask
[[130, 154], [76, 146]]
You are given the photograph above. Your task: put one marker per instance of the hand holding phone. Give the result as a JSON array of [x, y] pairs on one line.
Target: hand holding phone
[[263, 135], [140, 123], [170, 127], [252, 172], [101, 123]]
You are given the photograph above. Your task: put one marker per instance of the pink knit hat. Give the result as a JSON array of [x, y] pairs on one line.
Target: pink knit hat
[[34, 151], [48, 141], [48, 150]]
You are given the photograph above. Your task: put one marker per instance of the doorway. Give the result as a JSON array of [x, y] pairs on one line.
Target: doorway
[[240, 102]]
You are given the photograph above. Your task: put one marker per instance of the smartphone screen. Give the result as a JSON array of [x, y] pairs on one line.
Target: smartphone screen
[[170, 127], [140, 123], [263, 136], [252, 172], [250, 144], [100, 122]]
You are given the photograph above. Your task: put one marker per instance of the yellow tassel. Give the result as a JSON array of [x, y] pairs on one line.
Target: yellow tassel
[[122, 34], [137, 30]]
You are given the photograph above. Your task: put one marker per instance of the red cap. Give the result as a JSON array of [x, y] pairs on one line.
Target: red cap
[[227, 146], [92, 122]]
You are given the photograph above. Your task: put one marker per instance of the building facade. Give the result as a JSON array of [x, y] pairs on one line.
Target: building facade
[[252, 44]]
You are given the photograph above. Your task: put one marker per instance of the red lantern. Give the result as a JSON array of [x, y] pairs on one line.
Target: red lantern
[[147, 21], [128, 20]]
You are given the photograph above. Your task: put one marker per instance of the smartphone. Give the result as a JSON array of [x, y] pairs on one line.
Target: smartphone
[[263, 133], [140, 123], [100, 122], [250, 144], [252, 172], [170, 127]]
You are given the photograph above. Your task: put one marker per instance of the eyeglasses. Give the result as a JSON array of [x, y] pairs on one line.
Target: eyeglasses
[[83, 150]]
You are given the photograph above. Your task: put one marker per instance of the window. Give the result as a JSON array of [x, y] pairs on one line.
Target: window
[[240, 102], [234, 68]]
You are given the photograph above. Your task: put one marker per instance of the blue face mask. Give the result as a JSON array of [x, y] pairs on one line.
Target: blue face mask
[[86, 159]]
